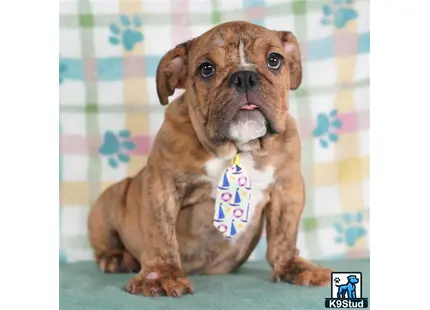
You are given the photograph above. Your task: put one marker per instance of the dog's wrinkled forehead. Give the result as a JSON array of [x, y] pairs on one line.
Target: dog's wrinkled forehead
[[236, 42]]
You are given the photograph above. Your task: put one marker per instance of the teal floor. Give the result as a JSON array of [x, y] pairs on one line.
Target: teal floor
[[83, 287]]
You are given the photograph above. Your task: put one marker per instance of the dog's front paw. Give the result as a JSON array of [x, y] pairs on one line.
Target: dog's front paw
[[166, 280], [301, 272]]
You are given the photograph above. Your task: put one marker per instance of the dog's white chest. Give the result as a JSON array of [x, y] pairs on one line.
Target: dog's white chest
[[260, 180]]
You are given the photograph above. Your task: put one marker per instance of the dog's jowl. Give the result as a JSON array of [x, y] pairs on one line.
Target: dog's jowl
[[160, 222]]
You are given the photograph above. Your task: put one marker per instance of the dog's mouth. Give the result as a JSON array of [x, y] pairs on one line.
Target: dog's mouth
[[249, 107]]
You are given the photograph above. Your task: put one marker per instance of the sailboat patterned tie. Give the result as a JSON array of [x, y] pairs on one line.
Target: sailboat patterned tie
[[232, 200]]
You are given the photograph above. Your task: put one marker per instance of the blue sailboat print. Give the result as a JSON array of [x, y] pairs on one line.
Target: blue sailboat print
[[225, 184], [238, 170], [220, 217], [232, 229], [237, 199]]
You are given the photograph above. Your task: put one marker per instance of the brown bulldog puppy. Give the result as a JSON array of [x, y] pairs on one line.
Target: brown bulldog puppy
[[159, 223]]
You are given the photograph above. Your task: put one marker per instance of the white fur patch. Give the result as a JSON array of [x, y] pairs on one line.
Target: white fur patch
[[244, 147], [242, 57], [260, 180], [218, 41], [245, 131]]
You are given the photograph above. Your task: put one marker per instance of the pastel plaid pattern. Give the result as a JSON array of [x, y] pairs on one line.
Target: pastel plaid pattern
[[109, 110]]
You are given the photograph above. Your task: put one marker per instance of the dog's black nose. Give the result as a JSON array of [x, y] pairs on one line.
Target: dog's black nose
[[244, 81]]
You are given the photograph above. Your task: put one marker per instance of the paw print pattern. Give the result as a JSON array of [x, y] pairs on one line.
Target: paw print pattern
[[326, 128], [115, 147], [63, 69], [351, 230], [128, 33], [339, 13]]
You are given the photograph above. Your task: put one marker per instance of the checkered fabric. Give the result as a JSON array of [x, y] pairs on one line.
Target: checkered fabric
[[109, 110]]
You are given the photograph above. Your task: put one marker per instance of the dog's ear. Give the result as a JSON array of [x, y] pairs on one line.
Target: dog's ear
[[294, 58], [172, 71]]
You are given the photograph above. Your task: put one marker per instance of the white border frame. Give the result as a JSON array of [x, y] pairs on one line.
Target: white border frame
[[29, 126], [400, 156]]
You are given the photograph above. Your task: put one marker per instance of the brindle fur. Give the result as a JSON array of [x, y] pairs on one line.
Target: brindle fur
[[159, 222]]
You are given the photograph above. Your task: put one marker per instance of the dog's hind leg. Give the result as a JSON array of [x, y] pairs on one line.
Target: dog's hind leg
[[110, 253], [116, 260]]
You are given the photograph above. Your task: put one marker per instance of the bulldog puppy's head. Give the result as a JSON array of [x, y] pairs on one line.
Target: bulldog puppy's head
[[237, 77]]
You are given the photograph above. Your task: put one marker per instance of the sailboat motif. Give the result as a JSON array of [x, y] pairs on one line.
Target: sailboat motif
[[225, 183], [219, 216], [237, 199], [232, 229], [237, 170]]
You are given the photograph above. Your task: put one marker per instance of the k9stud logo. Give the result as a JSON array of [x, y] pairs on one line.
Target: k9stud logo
[[346, 290]]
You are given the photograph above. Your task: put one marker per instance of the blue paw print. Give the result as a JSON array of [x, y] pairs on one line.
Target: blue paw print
[[326, 127], [351, 230], [130, 33], [63, 69], [115, 147], [339, 14]]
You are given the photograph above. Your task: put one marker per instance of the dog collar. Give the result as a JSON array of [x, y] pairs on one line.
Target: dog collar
[[232, 200]]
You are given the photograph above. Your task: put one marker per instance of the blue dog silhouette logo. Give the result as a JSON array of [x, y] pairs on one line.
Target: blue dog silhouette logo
[[347, 290]]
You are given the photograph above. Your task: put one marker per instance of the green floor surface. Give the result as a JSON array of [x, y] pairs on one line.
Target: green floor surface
[[82, 286]]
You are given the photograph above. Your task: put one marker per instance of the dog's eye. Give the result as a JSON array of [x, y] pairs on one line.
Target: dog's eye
[[274, 61], [206, 69]]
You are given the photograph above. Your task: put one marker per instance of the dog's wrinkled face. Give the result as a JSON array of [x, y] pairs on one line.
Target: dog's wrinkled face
[[238, 76]]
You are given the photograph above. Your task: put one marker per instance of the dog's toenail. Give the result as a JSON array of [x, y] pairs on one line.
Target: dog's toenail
[[153, 292], [190, 290], [175, 293]]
